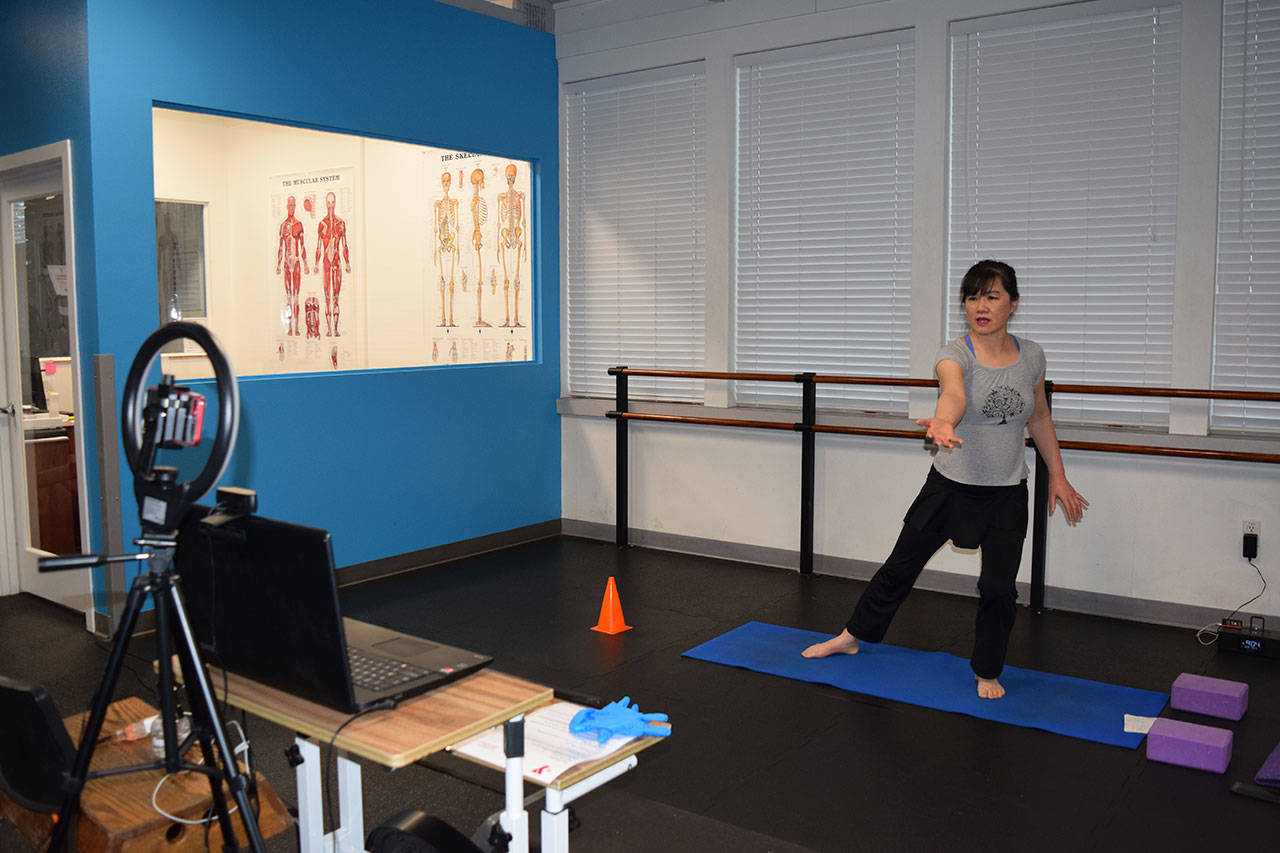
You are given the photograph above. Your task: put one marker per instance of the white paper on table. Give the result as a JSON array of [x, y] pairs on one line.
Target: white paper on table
[[549, 747], [1138, 725]]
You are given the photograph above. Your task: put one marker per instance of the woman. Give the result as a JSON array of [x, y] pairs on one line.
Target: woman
[[991, 387]]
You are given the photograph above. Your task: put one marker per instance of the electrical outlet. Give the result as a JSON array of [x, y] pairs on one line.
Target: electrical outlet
[[1252, 525]]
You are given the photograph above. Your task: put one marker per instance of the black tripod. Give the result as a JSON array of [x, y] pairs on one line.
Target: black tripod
[[159, 584], [166, 417]]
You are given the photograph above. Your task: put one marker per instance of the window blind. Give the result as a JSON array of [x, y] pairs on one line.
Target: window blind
[[1247, 299], [180, 259], [823, 225], [1064, 163], [635, 231]]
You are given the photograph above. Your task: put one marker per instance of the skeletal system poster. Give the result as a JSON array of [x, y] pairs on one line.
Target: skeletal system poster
[[479, 302], [313, 318]]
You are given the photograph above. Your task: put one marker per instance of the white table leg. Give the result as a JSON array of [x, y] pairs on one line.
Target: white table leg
[[555, 824], [310, 798], [555, 817], [348, 837], [514, 819]]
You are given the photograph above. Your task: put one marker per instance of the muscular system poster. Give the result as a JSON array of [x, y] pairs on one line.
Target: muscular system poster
[[479, 299], [312, 317]]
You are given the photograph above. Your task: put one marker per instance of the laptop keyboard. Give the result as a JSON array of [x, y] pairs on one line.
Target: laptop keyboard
[[380, 674]]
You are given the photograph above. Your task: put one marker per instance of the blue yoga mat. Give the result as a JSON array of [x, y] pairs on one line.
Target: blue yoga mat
[[1070, 706]]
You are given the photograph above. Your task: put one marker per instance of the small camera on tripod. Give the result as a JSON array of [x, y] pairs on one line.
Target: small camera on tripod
[[233, 502]]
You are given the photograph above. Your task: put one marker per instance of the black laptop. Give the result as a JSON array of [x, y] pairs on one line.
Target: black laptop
[[262, 598]]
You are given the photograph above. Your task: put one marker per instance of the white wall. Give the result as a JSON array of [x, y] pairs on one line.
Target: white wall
[[1159, 530]]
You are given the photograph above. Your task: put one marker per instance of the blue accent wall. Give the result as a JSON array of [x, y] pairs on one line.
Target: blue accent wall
[[389, 461], [44, 98], [43, 55]]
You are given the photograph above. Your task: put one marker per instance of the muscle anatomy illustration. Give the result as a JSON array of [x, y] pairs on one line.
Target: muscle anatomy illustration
[[445, 247], [291, 262], [332, 236], [511, 243], [312, 308]]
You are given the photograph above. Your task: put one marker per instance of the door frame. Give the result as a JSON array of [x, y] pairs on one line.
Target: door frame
[[12, 168]]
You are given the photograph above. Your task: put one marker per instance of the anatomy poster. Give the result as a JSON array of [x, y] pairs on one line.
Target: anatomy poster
[[312, 316], [479, 301]]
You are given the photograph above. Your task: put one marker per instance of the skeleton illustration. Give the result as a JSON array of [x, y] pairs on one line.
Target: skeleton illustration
[[445, 252], [479, 214], [511, 239]]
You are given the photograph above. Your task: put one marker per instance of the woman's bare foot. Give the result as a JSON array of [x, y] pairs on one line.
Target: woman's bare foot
[[842, 643], [989, 688]]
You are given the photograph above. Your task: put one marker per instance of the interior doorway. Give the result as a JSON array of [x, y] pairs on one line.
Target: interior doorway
[[42, 483]]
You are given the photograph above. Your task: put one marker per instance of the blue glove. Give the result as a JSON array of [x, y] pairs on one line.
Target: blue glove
[[617, 718]]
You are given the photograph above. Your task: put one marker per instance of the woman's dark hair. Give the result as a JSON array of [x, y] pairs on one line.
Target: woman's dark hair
[[983, 275]]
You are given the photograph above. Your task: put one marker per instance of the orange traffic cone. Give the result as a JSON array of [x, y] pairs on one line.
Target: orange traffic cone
[[611, 621]]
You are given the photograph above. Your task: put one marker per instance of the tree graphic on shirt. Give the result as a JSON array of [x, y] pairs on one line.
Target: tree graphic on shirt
[[1002, 402]]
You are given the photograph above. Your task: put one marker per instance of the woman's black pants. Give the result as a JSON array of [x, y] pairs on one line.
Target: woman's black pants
[[997, 594]]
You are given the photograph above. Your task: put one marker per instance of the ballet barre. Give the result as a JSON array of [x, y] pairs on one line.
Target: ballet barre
[[808, 428]]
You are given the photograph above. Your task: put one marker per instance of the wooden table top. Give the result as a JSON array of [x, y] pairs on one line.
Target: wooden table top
[[400, 736]]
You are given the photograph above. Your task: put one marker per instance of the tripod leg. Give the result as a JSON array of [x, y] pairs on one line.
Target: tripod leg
[[98, 712], [218, 796], [165, 682], [173, 756], [203, 728], [205, 710]]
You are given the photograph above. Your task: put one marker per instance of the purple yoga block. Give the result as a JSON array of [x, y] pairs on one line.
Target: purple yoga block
[[1270, 772], [1189, 745], [1216, 697]]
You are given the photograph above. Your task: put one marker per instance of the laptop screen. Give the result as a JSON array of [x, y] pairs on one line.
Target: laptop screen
[[262, 599]]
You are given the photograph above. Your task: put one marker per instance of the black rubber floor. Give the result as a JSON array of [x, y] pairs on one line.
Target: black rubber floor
[[758, 762]]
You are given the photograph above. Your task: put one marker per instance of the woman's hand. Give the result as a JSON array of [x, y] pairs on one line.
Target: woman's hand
[[940, 432], [1073, 503]]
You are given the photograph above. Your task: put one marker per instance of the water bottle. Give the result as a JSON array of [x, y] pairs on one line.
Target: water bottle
[[157, 734]]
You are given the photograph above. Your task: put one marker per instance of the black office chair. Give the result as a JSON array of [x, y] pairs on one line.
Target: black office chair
[[36, 752], [414, 831]]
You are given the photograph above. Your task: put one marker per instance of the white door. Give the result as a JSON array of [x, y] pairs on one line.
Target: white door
[[41, 461]]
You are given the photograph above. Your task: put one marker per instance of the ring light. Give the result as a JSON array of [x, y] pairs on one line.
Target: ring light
[[162, 501]]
